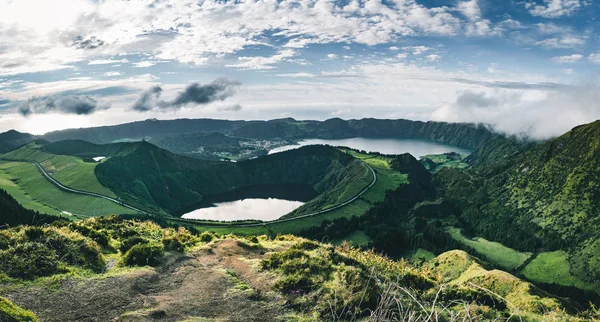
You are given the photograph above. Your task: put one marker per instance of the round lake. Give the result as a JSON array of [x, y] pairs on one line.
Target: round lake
[[251, 208], [417, 148]]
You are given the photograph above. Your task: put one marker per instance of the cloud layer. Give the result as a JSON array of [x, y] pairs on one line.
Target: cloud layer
[[79, 105], [197, 94], [514, 113]]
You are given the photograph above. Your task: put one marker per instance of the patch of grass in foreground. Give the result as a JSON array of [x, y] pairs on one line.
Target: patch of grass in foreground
[[493, 252], [553, 267], [37, 193]]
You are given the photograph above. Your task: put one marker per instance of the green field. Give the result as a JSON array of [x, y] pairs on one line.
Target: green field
[[419, 255], [553, 267], [71, 171], [387, 179], [28, 186], [493, 252], [445, 161], [357, 238]]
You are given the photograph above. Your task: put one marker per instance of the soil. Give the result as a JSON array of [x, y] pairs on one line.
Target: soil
[[198, 287]]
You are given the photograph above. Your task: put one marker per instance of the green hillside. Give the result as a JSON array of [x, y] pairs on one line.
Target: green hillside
[[65, 166], [12, 139], [114, 269], [541, 198]]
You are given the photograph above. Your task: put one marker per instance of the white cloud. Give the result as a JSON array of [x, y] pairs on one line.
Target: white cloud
[[263, 62], [417, 50], [402, 55], [594, 58], [568, 59], [107, 61], [332, 56], [394, 48], [433, 57], [62, 32], [112, 74], [539, 116], [553, 8], [566, 41], [144, 64], [297, 75]]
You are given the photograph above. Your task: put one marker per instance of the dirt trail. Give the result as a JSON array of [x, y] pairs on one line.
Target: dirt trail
[[200, 285]]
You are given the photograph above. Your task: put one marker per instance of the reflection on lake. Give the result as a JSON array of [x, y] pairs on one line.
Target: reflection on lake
[[417, 148], [251, 208]]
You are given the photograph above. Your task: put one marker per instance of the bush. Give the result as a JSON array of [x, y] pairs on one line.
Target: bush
[[29, 260], [144, 254], [206, 237], [9, 312], [132, 241], [172, 243]]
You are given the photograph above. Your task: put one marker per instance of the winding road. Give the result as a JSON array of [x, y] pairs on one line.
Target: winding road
[[81, 192], [191, 221]]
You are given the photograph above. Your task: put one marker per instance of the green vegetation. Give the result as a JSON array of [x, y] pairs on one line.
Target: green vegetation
[[436, 162], [70, 171], [495, 253], [316, 281], [387, 178], [12, 313], [553, 267], [357, 238], [27, 185]]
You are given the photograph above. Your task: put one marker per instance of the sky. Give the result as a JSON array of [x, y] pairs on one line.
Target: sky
[[526, 67]]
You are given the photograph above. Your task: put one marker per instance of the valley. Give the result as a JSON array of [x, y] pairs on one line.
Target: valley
[[402, 206]]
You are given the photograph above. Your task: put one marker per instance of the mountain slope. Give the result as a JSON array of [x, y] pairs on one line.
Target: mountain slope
[[540, 197], [13, 139]]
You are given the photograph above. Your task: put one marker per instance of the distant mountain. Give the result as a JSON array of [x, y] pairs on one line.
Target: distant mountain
[[461, 134], [13, 139]]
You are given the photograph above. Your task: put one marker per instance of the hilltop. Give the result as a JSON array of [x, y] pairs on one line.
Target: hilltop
[[12, 139], [138, 271]]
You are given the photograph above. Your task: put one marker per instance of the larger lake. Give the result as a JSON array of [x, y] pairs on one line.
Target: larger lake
[[417, 148]]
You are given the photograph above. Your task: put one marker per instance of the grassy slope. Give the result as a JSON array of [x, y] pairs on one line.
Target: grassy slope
[[494, 252], [25, 183], [553, 267], [71, 171], [266, 279]]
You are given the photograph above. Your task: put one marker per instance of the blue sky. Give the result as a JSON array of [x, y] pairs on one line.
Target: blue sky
[[527, 67]]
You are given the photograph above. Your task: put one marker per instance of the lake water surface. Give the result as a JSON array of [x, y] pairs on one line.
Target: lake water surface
[[417, 148], [251, 208]]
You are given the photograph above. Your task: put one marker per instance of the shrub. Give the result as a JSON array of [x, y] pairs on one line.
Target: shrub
[[306, 245], [144, 254], [128, 243], [9, 312], [206, 237], [29, 260], [172, 243]]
